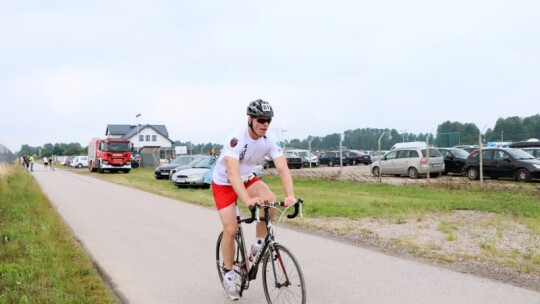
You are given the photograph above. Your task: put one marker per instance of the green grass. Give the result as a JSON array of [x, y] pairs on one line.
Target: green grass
[[325, 198], [39, 260]]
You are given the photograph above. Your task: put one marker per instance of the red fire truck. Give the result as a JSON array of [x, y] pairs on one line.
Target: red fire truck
[[109, 154]]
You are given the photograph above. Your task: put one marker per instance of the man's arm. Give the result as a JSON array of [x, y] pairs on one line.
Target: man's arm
[[286, 179]]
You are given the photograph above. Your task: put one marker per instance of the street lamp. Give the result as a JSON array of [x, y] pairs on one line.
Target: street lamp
[[138, 136], [403, 134]]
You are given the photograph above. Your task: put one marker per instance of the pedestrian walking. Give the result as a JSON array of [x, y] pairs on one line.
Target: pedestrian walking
[[45, 162], [51, 163]]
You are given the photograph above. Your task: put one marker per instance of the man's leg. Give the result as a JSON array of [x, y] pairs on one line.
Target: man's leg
[[230, 226]]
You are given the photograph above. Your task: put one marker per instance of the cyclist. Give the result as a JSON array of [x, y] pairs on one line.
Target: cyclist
[[233, 179]]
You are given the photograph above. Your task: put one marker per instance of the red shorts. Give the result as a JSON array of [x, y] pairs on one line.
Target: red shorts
[[224, 196]]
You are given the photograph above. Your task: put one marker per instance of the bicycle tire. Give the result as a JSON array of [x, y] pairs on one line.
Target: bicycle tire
[[287, 285], [239, 263]]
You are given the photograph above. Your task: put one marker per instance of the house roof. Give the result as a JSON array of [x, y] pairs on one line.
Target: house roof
[[128, 131]]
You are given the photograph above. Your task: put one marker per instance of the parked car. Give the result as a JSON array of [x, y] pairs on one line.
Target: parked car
[[332, 158], [192, 163], [164, 171], [468, 148], [503, 162], [454, 160], [67, 160], [375, 155], [411, 160], [194, 176], [533, 151], [358, 157], [79, 162], [307, 157], [293, 160]]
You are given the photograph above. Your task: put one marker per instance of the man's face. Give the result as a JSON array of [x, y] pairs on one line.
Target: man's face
[[261, 124]]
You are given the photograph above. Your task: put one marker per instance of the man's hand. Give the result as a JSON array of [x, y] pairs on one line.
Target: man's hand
[[255, 200], [289, 200]]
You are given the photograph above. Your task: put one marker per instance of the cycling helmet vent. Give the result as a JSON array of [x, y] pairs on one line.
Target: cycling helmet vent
[[260, 107]]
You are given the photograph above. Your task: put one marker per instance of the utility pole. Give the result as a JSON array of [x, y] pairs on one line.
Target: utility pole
[[138, 136], [309, 145], [379, 153], [341, 156]]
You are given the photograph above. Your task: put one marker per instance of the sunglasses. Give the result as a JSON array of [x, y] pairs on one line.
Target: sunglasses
[[262, 121]]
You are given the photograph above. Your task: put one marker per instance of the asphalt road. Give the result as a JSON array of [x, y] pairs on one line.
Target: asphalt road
[[159, 250]]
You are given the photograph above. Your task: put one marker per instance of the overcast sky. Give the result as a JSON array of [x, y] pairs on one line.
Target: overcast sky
[[69, 68]]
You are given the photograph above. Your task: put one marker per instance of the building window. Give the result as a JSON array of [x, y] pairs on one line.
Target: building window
[[147, 137], [141, 137], [154, 137]]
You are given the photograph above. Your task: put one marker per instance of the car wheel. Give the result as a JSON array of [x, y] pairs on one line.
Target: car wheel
[[330, 163], [472, 173], [523, 175], [413, 173], [79, 166], [375, 171]]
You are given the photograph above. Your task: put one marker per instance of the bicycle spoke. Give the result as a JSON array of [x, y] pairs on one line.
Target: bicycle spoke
[[283, 280]]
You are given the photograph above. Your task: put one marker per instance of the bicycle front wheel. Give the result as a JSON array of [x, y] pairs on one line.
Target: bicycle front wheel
[[283, 280], [239, 263]]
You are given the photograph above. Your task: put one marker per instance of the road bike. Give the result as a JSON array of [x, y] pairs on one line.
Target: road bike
[[283, 281]]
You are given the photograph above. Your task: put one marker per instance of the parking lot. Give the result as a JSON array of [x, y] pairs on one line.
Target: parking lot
[[362, 173]]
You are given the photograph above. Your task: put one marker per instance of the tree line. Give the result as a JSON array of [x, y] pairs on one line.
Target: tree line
[[448, 134]]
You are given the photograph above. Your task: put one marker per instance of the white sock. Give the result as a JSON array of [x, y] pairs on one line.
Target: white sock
[[230, 275]]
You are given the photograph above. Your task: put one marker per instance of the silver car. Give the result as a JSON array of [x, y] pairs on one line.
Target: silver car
[[410, 160], [194, 176]]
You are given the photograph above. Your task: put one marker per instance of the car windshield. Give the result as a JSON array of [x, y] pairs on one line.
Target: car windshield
[[432, 153], [460, 153], [182, 160], [195, 161], [520, 154], [206, 162], [117, 146], [303, 154], [290, 154]]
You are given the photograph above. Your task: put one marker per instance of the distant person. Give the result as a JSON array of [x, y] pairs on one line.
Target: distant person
[[26, 164], [31, 160], [51, 163], [45, 162]]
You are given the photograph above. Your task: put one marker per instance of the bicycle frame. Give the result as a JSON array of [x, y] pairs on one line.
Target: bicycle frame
[[267, 248], [282, 277]]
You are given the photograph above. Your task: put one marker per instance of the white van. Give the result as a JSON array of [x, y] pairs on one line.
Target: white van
[[411, 160], [410, 144], [79, 162]]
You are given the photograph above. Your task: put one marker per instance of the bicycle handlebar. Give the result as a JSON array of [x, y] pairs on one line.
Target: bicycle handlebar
[[255, 210]]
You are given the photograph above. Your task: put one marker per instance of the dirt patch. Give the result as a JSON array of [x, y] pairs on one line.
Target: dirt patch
[[484, 244]]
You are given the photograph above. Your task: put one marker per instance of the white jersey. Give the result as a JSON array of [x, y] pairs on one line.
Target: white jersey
[[248, 151]]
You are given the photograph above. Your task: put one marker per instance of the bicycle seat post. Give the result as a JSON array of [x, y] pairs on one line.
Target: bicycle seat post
[[237, 210]]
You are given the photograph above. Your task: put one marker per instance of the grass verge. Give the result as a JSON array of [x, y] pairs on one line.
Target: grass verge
[[40, 262]]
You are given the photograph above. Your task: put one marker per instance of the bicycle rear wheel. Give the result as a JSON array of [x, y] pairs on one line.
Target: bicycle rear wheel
[[283, 280], [239, 264]]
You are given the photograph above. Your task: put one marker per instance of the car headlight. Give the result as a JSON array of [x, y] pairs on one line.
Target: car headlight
[[537, 166], [196, 175]]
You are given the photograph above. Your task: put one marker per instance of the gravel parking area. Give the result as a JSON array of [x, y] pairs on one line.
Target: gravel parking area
[[484, 244]]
